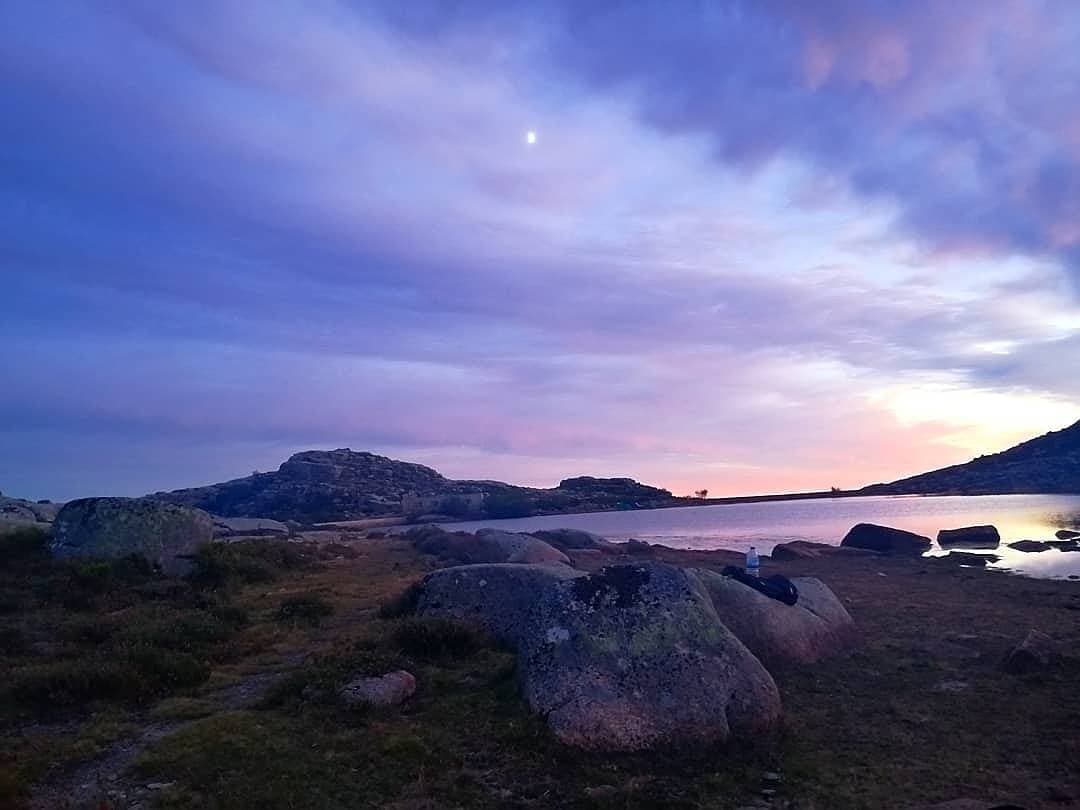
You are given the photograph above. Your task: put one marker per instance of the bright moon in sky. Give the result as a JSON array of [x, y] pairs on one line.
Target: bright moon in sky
[[530, 137]]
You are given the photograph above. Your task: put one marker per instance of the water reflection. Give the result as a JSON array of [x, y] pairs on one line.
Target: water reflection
[[738, 526]]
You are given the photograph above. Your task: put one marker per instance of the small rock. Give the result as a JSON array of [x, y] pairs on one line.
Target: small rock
[[602, 792], [771, 776], [952, 686], [1030, 546], [634, 546], [159, 785], [801, 550], [1035, 652], [388, 690], [1067, 534]]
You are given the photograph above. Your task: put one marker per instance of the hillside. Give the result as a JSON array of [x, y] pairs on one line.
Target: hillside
[[332, 485], [1047, 464]]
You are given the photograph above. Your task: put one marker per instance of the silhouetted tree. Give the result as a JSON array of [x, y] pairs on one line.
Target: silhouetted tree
[[701, 493]]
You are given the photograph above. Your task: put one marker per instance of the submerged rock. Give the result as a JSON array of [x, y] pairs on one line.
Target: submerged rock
[[387, 690], [970, 537], [164, 533], [816, 626], [630, 658], [886, 540]]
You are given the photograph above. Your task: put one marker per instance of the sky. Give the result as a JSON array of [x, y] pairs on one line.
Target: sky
[[749, 246]]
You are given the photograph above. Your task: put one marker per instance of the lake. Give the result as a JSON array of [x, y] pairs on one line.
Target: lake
[[827, 520]]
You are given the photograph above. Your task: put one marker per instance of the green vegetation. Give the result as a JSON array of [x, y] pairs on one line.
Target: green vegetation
[[242, 671], [305, 607], [82, 637]]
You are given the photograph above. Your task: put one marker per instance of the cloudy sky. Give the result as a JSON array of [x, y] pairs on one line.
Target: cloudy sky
[[755, 246]]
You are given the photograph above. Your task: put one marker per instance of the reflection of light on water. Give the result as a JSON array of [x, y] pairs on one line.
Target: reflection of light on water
[[827, 520]]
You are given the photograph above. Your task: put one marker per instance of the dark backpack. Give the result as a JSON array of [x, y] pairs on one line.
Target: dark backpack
[[775, 587]]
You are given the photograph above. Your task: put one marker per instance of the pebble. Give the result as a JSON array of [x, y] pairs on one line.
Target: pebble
[[771, 776], [159, 785]]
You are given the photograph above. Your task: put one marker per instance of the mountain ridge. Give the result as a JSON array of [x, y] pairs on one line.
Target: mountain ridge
[[343, 484], [1047, 464]]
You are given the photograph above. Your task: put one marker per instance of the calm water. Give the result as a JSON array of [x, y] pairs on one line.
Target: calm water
[[738, 526]]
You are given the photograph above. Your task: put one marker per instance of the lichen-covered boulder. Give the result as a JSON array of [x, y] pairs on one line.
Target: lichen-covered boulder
[[486, 546], [885, 540], [630, 658], [503, 599], [113, 527], [969, 537], [816, 626]]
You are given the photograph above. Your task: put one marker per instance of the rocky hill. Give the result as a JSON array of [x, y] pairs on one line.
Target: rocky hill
[[333, 485], [18, 512], [1048, 464]]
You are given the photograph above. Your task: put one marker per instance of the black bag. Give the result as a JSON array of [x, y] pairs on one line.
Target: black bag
[[775, 587]]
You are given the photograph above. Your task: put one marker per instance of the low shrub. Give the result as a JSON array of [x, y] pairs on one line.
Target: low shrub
[[13, 641], [404, 604], [218, 565], [24, 543], [305, 607], [433, 638]]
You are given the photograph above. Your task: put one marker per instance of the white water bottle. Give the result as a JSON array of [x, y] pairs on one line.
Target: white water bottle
[[753, 563]]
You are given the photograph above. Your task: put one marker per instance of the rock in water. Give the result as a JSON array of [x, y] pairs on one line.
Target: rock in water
[[630, 658], [818, 625], [1035, 652], [1030, 546], [1067, 534], [387, 690], [969, 537], [113, 527], [886, 540]]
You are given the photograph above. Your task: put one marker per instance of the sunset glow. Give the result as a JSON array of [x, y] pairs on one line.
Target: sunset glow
[[758, 247]]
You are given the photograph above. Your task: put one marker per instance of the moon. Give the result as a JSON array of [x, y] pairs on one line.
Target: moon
[[530, 137]]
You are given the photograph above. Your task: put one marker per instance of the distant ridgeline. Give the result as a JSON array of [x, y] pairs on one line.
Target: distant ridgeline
[[331, 485], [1048, 464]]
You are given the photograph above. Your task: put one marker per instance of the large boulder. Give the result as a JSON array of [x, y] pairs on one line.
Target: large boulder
[[816, 626], [575, 540], [503, 599], [486, 546], [969, 537], [885, 540], [164, 533], [630, 658]]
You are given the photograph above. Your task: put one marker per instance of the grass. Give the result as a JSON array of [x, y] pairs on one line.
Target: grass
[[875, 729]]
